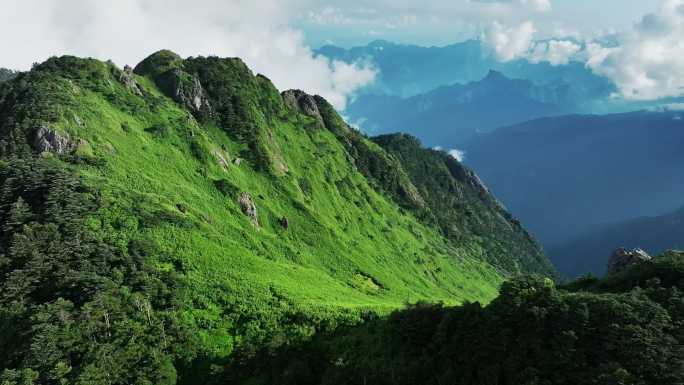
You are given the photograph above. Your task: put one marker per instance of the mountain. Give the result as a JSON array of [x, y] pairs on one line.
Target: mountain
[[409, 70], [587, 253], [563, 175], [162, 222], [451, 115]]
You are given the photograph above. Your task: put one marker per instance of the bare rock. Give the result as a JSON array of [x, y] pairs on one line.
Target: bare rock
[[222, 161], [284, 222], [128, 79], [189, 93], [47, 139], [622, 258], [249, 208], [237, 162], [304, 103]]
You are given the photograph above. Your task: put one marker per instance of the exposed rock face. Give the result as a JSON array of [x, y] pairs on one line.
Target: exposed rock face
[[249, 208], [47, 139], [189, 92], [621, 259], [303, 102], [222, 161], [126, 77]]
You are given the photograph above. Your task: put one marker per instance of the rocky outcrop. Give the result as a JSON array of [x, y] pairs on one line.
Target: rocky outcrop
[[195, 96], [127, 78], [284, 222], [222, 161], [622, 258], [249, 208], [186, 90], [167, 70], [46, 139], [304, 103]]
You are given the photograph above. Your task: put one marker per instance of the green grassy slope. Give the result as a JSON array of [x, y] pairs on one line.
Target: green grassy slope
[[623, 329], [170, 151]]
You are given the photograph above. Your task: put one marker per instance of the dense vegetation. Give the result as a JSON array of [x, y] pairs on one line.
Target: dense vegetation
[[6, 74], [163, 223], [624, 329]]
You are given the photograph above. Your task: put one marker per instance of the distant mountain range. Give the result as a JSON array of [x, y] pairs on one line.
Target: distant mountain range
[[408, 70], [588, 252], [561, 175], [451, 115]]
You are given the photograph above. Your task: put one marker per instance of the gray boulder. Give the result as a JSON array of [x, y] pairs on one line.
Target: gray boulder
[[46, 139], [622, 258], [249, 208]]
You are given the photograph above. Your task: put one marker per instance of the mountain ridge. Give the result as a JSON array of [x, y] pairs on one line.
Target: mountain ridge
[[450, 116], [188, 207], [409, 70]]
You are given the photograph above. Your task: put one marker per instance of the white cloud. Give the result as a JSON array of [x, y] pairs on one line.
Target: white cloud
[[537, 5], [510, 43], [540, 5], [457, 154], [673, 107], [556, 52], [126, 31], [518, 42], [648, 62]]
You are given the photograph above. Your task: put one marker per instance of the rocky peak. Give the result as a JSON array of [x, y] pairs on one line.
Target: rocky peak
[[158, 63], [304, 103], [622, 258], [127, 78], [495, 76]]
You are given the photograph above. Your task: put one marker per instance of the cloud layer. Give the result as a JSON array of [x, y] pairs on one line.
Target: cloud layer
[[518, 42], [126, 31], [645, 62], [510, 43], [648, 63]]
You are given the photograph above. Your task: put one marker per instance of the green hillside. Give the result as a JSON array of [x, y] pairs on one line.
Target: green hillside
[[622, 329], [158, 221]]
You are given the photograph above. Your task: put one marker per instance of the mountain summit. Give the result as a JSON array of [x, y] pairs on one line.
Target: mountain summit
[[189, 208]]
